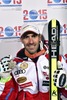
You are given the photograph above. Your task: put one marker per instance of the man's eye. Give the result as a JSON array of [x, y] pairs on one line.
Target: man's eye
[[25, 37], [34, 35]]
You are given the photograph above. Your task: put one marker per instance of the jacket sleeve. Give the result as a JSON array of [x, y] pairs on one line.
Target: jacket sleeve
[[10, 91], [63, 93]]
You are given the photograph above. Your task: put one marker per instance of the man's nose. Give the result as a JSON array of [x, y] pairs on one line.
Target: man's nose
[[30, 40]]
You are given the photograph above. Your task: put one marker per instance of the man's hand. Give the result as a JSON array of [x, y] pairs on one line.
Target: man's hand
[[12, 64]]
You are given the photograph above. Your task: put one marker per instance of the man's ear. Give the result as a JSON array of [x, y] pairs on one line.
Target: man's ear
[[40, 37]]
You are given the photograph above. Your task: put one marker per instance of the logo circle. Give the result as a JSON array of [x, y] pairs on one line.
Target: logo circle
[[9, 31], [6, 1], [33, 14], [57, 1]]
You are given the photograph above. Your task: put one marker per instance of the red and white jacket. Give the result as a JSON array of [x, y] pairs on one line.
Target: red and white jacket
[[30, 79]]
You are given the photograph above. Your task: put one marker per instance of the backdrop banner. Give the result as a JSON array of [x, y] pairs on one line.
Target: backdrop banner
[[14, 13]]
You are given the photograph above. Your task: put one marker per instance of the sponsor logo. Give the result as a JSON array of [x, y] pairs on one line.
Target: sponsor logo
[[10, 3], [21, 79], [34, 15], [57, 2], [23, 65], [8, 31]]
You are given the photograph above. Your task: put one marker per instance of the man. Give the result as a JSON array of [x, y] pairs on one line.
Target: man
[[34, 52], [30, 75], [33, 55]]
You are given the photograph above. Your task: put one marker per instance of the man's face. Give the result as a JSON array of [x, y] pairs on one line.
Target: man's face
[[31, 42]]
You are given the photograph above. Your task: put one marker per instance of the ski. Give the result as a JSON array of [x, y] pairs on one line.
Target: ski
[[54, 43]]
